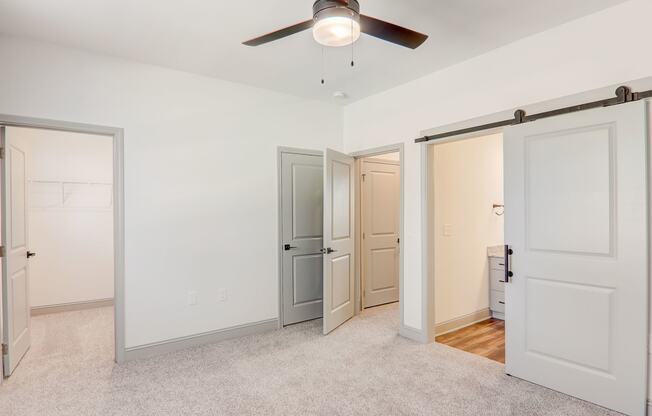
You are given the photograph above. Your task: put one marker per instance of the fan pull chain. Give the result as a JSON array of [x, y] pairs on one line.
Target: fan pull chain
[[323, 65], [352, 46]]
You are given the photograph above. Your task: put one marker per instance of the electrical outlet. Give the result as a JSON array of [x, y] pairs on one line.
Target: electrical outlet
[[221, 295], [192, 298]]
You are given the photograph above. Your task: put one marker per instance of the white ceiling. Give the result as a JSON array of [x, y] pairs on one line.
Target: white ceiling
[[204, 36]]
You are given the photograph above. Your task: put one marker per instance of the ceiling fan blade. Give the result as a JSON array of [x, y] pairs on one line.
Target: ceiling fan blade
[[391, 32], [271, 37]]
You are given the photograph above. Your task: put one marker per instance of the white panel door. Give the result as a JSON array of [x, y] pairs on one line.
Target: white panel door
[[380, 238], [576, 219], [302, 186], [339, 239], [15, 268]]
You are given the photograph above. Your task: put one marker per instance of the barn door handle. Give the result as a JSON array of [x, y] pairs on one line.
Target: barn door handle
[[30, 254], [508, 273]]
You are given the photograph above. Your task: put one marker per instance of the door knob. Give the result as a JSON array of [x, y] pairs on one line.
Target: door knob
[[30, 254], [288, 247], [328, 250]]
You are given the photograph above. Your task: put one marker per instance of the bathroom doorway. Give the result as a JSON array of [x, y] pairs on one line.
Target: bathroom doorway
[[468, 245]]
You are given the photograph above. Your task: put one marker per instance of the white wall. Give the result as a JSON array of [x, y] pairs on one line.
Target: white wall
[[200, 177], [592, 52], [468, 180], [70, 215]]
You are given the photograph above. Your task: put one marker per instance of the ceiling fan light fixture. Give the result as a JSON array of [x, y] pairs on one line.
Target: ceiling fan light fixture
[[336, 26]]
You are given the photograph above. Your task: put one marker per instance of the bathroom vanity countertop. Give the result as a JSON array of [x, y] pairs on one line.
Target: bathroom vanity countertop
[[496, 251]]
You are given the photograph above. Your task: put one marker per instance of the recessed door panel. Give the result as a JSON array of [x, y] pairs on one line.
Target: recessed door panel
[[307, 289], [380, 200], [20, 310], [341, 200], [18, 209], [570, 181], [15, 265], [382, 275], [576, 217], [338, 239], [383, 195], [307, 200], [340, 267], [302, 221], [566, 333]]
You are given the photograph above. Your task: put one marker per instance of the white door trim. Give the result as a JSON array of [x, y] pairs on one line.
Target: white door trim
[[398, 147], [280, 150], [117, 135], [404, 330]]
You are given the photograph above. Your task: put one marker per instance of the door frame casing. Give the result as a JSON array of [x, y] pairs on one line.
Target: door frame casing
[[117, 135], [398, 147], [280, 150], [358, 155], [428, 215]]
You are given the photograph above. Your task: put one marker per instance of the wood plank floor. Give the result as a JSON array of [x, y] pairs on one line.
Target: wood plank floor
[[486, 338]]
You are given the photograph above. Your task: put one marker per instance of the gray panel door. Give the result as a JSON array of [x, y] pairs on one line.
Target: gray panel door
[[302, 220], [339, 239], [15, 265], [380, 236]]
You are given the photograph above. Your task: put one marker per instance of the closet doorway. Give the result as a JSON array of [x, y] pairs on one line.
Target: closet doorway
[[380, 200], [63, 242]]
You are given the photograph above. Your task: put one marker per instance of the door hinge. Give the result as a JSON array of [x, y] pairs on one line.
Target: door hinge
[[2, 152], [364, 175], [364, 236], [2, 251], [5, 349]]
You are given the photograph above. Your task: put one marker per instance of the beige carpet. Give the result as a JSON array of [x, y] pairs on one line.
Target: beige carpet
[[363, 368]]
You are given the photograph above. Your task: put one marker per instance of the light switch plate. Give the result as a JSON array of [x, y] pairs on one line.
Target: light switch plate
[[448, 230]]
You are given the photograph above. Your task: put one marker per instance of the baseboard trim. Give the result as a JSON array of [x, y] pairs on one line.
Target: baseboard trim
[[462, 321], [211, 337], [412, 333], [73, 306]]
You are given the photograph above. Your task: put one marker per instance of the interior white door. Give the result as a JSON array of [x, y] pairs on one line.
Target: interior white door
[[380, 238], [302, 203], [15, 267], [576, 219], [339, 239]]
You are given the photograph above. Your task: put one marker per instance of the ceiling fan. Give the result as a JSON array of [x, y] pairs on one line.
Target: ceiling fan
[[339, 23]]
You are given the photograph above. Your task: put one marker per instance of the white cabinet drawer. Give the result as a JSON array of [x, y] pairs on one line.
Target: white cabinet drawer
[[496, 263], [497, 279], [497, 301]]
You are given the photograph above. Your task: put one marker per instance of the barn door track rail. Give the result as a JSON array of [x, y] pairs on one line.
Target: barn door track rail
[[624, 95]]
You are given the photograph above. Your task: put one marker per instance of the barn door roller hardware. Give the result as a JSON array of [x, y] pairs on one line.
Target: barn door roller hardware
[[624, 94]]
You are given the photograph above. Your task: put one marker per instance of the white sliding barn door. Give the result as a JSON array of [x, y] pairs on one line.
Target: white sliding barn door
[[339, 239], [15, 268], [576, 219]]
